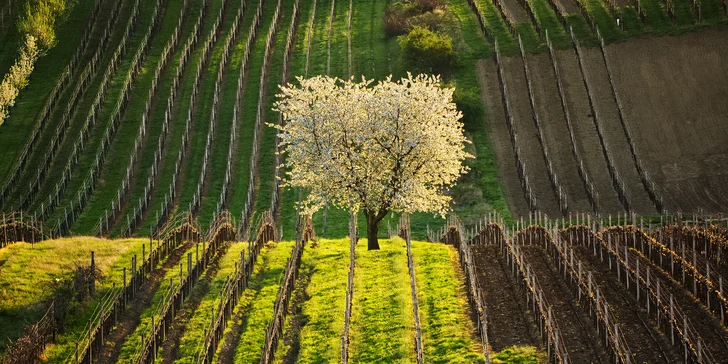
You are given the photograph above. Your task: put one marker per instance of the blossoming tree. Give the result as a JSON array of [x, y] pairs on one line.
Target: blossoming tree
[[390, 146]]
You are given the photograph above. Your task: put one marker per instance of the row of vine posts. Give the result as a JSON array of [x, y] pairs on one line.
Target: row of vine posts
[[618, 245]]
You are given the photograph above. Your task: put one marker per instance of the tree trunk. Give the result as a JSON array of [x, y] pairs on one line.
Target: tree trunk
[[372, 230]]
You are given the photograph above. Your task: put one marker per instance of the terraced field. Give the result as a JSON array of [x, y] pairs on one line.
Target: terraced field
[[148, 126]]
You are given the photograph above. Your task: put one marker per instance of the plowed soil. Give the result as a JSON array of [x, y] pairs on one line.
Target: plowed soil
[[613, 132], [646, 343], [585, 131], [674, 91], [499, 137], [582, 341], [509, 320], [526, 132], [553, 123]]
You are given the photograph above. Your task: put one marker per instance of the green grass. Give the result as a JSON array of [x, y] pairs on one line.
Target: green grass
[[248, 109], [266, 153], [219, 155], [177, 124], [448, 334], [382, 326], [134, 340], [194, 334], [123, 146], [258, 301], [86, 159], [322, 314], [201, 119], [16, 130], [519, 355], [27, 272]]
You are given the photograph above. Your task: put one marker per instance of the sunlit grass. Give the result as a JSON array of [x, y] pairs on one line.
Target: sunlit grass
[[28, 270]]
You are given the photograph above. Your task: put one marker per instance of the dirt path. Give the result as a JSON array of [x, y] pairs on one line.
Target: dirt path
[[646, 343], [585, 131], [582, 341], [555, 131], [613, 131], [570, 6], [515, 11], [509, 323], [526, 132], [130, 319], [499, 137]]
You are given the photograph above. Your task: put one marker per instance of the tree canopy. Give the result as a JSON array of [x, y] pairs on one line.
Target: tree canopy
[[378, 147]]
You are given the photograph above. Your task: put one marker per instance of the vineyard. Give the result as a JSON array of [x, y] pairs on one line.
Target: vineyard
[[144, 218]]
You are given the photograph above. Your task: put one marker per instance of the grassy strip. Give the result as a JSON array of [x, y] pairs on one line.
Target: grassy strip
[[248, 109], [296, 68], [448, 334], [267, 159], [322, 314], [194, 334], [259, 300], [28, 272], [177, 125], [123, 146], [494, 24], [201, 119], [84, 102], [17, 129], [382, 326], [218, 157], [548, 21], [86, 159], [134, 340]]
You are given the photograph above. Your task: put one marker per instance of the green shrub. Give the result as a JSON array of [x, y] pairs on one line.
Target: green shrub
[[431, 20], [396, 18], [426, 51]]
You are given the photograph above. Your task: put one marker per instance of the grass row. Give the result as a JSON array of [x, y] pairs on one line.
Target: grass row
[[193, 336], [172, 278], [448, 334], [248, 109], [201, 119], [123, 147], [382, 323], [258, 301], [218, 157], [178, 119], [267, 160], [86, 159], [29, 271]]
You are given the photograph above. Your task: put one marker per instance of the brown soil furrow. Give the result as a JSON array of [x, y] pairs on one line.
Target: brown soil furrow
[[526, 132], [508, 321], [669, 88], [576, 326], [585, 131], [646, 343], [499, 137], [555, 131], [570, 6], [515, 11], [130, 319], [613, 132]]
